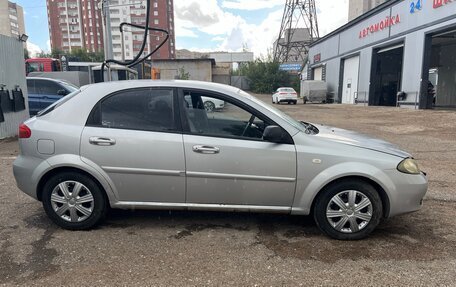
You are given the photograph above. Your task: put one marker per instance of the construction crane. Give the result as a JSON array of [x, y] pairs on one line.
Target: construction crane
[[298, 30]]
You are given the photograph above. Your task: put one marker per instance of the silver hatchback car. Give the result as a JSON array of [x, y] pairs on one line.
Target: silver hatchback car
[[152, 144]]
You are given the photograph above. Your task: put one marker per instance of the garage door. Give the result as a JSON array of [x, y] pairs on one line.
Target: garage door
[[350, 83]]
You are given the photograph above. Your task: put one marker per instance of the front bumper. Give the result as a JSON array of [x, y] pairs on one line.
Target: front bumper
[[408, 194]]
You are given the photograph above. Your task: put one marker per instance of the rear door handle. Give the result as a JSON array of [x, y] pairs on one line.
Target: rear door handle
[[206, 149], [102, 141]]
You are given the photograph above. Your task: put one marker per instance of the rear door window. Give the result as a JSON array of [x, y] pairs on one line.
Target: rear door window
[[43, 87], [139, 109], [31, 86]]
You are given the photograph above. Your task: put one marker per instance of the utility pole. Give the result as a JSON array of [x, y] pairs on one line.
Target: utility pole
[[298, 30], [107, 30]]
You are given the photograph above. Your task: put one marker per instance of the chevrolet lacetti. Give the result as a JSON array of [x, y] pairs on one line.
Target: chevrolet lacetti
[[153, 144]]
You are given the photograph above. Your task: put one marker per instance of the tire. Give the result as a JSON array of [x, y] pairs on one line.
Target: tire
[[294, 102], [349, 226], [209, 106], [94, 208]]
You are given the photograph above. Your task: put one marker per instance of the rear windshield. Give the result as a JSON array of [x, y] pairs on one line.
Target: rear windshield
[[58, 103], [287, 90]]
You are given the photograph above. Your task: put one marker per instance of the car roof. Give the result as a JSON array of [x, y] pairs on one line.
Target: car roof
[[129, 84], [46, 79]]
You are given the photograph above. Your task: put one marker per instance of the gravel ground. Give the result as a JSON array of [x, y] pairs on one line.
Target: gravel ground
[[210, 248]]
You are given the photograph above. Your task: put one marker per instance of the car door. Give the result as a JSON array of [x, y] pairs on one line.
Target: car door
[[33, 97], [48, 92], [227, 162], [135, 137]]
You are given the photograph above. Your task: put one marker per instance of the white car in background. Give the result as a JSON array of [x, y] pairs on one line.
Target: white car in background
[[211, 104], [284, 94]]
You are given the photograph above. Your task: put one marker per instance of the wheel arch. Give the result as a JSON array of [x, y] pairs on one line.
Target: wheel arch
[[382, 193], [60, 169]]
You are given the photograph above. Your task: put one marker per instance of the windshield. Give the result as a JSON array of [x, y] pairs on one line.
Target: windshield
[[277, 112], [58, 103]]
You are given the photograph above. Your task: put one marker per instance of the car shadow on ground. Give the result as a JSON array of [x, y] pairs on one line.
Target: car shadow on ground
[[408, 237]]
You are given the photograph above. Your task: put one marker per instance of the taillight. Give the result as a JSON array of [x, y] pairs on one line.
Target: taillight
[[24, 132]]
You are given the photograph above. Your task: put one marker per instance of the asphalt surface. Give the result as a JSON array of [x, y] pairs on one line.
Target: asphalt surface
[[164, 248]]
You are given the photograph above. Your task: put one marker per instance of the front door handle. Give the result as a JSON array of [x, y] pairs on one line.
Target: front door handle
[[206, 149], [102, 141]]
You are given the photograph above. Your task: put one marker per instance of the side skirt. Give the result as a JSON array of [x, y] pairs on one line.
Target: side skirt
[[200, 206]]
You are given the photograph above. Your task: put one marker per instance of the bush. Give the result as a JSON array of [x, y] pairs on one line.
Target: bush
[[265, 77]]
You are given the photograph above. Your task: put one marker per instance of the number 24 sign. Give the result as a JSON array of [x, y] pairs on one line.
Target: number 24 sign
[[416, 6]]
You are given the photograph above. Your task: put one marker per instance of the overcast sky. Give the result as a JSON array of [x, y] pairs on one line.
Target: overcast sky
[[211, 25]]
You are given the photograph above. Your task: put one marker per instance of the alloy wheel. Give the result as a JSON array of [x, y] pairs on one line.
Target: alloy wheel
[[349, 211], [209, 106], [72, 201]]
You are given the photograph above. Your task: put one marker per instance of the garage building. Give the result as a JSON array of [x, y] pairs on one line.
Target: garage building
[[401, 53]]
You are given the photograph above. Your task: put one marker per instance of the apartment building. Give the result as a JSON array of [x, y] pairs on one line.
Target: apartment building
[[79, 24], [11, 19], [75, 24], [161, 16], [358, 7]]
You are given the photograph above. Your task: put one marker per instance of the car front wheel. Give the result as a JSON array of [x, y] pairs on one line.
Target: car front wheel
[[209, 106], [74, 201], [348, 210]]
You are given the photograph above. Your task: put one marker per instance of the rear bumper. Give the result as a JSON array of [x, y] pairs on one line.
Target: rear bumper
[[409, 193], [27, 172], [285, 99]]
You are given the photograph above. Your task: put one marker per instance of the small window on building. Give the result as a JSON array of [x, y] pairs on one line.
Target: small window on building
[[155, 13], [156, 21]]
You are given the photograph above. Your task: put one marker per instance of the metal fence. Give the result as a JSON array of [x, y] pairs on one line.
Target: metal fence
[[240, 82], [408, 96], [362, 98]]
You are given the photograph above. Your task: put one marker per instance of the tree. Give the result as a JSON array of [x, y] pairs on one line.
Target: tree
[[264, 75], [182, 74], [55, 53], [26, 54]]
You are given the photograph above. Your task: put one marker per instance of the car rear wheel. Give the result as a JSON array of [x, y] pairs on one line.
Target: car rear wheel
[[348, 210], [209, 106], [74, 201]]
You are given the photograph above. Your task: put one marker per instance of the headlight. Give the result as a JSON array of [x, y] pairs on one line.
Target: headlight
[[409, 166]]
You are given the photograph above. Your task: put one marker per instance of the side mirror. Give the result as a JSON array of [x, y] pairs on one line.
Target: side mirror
[[275, 134], [62, 92]]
